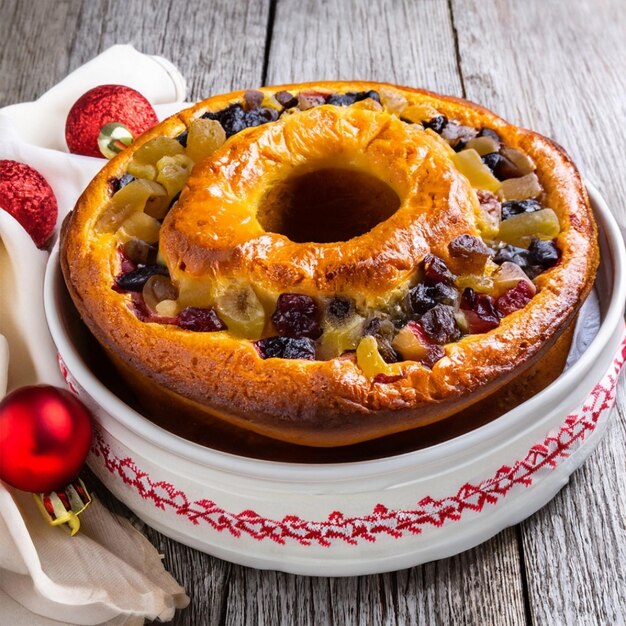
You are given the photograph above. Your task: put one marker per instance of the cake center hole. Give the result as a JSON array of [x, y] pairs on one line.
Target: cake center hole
[[327, 205]]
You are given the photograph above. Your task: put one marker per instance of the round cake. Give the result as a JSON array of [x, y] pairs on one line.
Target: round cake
[[331, 263]]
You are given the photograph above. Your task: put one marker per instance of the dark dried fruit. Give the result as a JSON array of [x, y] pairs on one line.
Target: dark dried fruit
[[436, 124], [235, 118], [346, 99], [502, 167], [383, 331], [340, 309], [117, 183], [440, 324], [200, 320], [516, 207], [286, 348], [424, 297], [135, 280], [296, 315], [470, 249], [488, 132], [480, 312], [436, 271], [286, 99], [182, 138], [544, 254], [252, 99], [514, 299]]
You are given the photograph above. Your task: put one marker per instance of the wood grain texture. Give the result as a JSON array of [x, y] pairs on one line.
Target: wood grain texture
[[566, 78]]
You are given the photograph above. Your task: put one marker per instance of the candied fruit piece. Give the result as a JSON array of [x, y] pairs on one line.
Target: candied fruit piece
[[156, 289], [205, 137], [521, 229], [413, 344], [436, 123], [296, 315], [200, 320], [477, 282], [144, 161], [286, 348], [234, 118], [166, 308], [439, 324], [521, 161], [488, 217], [339, 339], [469, 163], [140, 252], [242, 311], [339, 310], [457, 135], [134, 197], [174, 172], [489, 132], [135, 280], [117, 183], [194, 292], [370, 361], [286, 99], [521, 188], [423, 297], [480, 313], [516, 298], [139, 226], [483, 144], [393, 100], [346, 99], [507, 276]]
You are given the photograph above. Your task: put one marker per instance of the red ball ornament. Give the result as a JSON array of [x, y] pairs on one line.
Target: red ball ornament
[[103, 105], [45, 435], [26, 195]]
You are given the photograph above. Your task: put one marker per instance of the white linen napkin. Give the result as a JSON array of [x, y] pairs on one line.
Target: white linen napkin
[[108, 572]]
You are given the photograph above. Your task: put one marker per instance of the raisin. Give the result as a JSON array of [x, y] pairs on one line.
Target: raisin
[[469, 248], [440, 324], [200, 320], [383, 331], [437, 123], [502, 167], [182, 138], [286, 99], [339, 309], [480, 311], [516, 207], [286, 348], [296, 315], [235, 118], [117, 183], [135, 280], [423, 297], [252, 99], [346, 99], [436, 271], [544, 254], [488, 132]]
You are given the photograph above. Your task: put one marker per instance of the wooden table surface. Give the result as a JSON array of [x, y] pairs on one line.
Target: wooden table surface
[[558, 67]]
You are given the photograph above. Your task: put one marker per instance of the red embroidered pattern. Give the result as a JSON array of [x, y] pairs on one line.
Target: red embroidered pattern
[[382, 520]]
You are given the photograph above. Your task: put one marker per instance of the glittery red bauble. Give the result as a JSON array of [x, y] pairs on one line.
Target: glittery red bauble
[[100, 106], [25, 194], [45, 435]]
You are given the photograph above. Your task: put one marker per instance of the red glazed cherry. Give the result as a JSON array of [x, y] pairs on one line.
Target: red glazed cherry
[[514, 299]]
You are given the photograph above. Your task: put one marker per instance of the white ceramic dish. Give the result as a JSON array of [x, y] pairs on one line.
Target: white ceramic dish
[[363, 517]]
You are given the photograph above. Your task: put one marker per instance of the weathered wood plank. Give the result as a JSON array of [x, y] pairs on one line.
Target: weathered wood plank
[[564, 75]]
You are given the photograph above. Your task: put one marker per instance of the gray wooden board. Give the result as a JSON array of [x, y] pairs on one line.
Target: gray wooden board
[[556, 67]]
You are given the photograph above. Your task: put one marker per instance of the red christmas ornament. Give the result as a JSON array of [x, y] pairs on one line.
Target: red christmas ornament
[[45, 435], [103, 105], [26, 195]]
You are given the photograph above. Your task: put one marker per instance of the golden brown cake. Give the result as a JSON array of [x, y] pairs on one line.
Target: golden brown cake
[[331, 263]]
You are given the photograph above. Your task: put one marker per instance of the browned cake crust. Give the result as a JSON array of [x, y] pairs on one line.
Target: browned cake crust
[[330, 402]]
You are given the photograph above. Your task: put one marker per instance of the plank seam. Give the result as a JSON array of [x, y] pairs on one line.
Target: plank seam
[[524, 576], [271, 15], [457, 51]]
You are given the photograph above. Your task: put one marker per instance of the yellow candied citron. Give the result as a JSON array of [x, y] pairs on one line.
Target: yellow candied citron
[[196, 292], [144, 161], [409, 345], [139, 195], [521, 188], [173, 172], [522, 161], [393, 101], [371, 363], [520, 230], [477, 282], [418, 113], [339, 339], [469, 163], [139, 226], [483, 145], [204, 138]]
